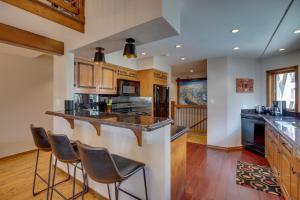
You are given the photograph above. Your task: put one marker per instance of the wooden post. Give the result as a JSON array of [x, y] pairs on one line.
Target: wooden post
[[173, 110]]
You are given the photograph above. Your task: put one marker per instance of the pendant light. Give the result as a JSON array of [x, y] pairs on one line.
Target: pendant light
[[99, 56], [129, 49]]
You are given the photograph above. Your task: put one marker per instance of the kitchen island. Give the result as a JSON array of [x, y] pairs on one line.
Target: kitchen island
[[143, 138]]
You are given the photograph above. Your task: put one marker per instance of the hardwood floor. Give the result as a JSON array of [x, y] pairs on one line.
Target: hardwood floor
[[197, 138], [16, 176], [210, 176]]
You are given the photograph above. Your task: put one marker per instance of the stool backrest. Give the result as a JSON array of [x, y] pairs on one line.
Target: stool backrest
[[40, 137], [62, 147], [98, 163]]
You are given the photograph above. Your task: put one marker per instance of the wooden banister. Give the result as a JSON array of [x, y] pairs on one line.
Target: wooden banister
[[192, 116]]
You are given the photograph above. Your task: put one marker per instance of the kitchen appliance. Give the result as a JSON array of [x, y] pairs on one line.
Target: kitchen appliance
[[161, 101], [102, 106], [128, 88], [279, 108], [69, 105], [253, 134], [260, 109]]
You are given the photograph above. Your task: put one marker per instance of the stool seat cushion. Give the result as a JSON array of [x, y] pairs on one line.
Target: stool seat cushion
[[126, 166]]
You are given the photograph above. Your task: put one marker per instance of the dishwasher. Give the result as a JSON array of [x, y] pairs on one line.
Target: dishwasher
[[253, 134]]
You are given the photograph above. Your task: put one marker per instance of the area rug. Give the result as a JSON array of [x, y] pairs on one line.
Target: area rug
[[257, 177]]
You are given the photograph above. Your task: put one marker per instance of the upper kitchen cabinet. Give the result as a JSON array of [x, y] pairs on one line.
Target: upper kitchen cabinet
[[160, 78], [127, 74], [85, 76], [108, 79], [150, 77]]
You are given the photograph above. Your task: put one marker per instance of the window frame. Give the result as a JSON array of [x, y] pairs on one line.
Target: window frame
[[270, 93]]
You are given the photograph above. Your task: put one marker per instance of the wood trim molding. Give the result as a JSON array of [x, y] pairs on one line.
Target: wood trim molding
[[18, 154], [45, 11], [237, 148], [18, 37], [270, 81]]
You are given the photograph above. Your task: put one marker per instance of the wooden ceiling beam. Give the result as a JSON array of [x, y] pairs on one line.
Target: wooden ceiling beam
[[45, 11], [18, 37]]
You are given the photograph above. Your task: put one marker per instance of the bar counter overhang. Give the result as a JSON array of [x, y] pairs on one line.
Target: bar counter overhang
[[143, 138]]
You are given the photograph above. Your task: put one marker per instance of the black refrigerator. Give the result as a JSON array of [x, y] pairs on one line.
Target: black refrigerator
[[161, 101]]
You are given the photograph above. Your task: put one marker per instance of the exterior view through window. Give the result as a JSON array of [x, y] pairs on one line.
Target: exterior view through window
[[286, 89], [282, 85]]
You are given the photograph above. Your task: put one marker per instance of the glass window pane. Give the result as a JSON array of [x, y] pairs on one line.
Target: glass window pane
[[286, 89]]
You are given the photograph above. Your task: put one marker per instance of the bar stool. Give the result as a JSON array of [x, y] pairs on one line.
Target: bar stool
[[107, 168], [41, 142], [65, 152]]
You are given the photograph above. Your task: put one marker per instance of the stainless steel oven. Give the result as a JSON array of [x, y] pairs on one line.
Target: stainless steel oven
[[128, 88]]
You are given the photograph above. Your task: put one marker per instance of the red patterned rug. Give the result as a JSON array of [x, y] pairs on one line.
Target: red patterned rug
[[257, 177]]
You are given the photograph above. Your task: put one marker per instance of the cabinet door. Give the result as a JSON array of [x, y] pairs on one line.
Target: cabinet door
[[84, 77], [108, 80], [126, 74], [295, 179], [285, 158]]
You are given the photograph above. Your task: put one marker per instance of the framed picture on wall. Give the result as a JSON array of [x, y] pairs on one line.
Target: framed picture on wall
[[192, 91], [244, 85]]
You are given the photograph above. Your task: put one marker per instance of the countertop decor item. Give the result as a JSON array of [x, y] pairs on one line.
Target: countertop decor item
[[244, 85]]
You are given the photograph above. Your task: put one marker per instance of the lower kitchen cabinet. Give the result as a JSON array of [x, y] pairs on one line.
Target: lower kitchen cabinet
[[295, 177], [284, 160]]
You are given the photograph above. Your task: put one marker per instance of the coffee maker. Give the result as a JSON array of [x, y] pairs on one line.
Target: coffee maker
[[278, 108]]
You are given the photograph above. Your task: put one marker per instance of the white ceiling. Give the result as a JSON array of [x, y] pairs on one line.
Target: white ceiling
[[206, 30]]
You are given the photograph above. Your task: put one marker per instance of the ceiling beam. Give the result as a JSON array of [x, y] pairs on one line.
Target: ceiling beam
[[18, 37], [45, 11]]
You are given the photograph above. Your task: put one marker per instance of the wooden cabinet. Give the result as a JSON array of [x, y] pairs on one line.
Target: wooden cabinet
[[160, 78], [284, 159], [126, 74], [295, 177], [178, 167], [108, 79], [84, 76]]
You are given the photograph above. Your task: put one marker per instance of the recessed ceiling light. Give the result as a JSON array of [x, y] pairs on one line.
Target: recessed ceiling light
[[167, 54], [178, 46], [282, 49], [297, 31], [143, 53], [235, 30], [191, 70], [236, 48], [182, 58]]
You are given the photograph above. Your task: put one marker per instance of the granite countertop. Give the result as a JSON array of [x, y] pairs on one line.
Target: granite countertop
[[177, 131], [144, 123], [287, 126]]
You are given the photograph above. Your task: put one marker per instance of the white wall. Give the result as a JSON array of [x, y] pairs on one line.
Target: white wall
[[224, 104], [276, 62], [240, 68], [26, 93], [217, 83]]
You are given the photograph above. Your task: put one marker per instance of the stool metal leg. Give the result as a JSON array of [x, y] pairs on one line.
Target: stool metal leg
[[108, 192], [145, 182], [35, 172], [53, 179], [49, 175], [74, 180], [116, 192]]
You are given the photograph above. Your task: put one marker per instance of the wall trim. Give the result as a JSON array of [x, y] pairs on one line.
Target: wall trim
[[236, 148], [18, 154]]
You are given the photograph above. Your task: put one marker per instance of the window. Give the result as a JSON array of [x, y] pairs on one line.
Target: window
[[282, 85]]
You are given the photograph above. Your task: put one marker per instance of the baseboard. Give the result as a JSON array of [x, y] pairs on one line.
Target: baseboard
[[237, 148], [18, 154], [92, 191]]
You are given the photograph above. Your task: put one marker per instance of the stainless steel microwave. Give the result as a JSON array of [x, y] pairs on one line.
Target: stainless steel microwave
[[128, 88]]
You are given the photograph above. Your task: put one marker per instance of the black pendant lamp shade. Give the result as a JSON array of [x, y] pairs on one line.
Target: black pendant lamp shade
[[99, 56], [129, 49]]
